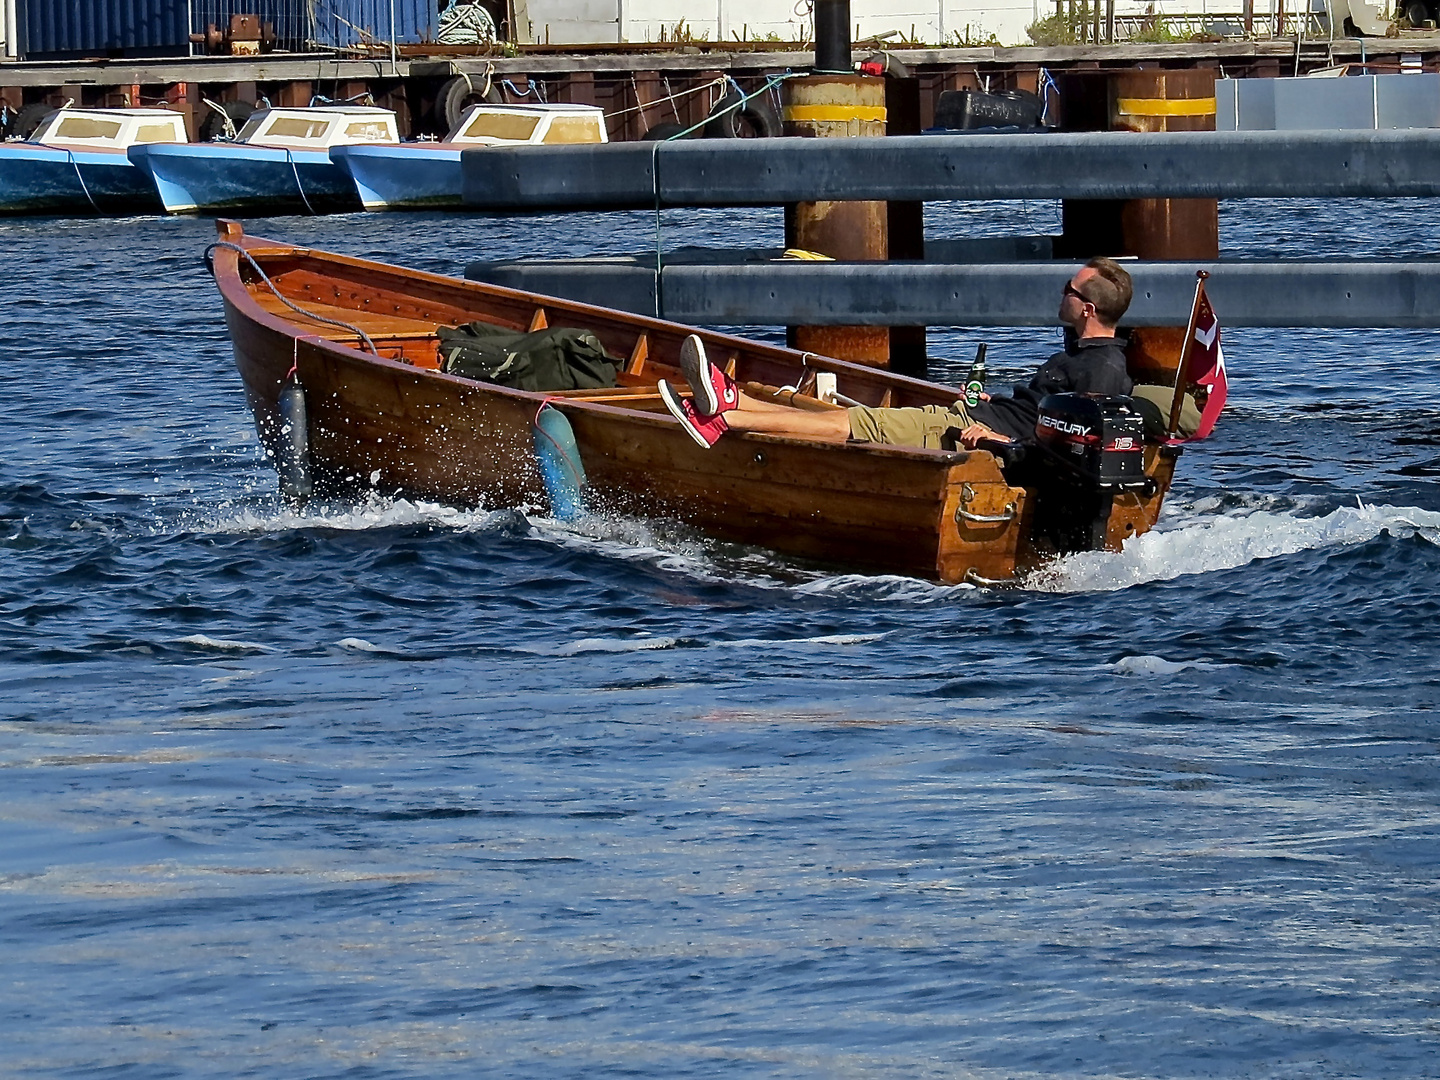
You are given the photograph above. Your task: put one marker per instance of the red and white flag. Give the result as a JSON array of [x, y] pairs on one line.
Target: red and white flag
[[1204, 362]]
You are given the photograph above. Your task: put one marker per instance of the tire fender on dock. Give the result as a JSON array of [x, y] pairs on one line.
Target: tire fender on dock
[[756, 119], [460, 93]]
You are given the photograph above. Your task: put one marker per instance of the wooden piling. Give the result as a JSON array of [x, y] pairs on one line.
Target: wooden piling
[[1140, 100], [1179, 230], [905, 222], [827, 107], [182, 97]]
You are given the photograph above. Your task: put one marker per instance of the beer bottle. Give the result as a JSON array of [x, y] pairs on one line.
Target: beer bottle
[[975, 384]]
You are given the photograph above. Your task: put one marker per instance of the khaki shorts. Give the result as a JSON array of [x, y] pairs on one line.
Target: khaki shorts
[[1163, 397], [926, 426]]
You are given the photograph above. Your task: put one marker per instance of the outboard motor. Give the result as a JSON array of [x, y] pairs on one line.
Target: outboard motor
[[1089, 448]]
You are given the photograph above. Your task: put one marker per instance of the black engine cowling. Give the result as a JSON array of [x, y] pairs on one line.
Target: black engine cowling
[[1088, 448], [1101, 439]]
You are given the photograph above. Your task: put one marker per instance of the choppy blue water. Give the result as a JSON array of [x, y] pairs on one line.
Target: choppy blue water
[[405, 790]]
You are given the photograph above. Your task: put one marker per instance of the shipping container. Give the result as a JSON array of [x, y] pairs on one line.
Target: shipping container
[[64, 29], [346, 23], [60, 29]]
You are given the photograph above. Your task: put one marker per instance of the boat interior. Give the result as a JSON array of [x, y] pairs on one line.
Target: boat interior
[[401, 316], [400, 312]]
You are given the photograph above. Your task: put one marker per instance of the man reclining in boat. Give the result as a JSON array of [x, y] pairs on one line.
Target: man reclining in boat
[[1092, 305]]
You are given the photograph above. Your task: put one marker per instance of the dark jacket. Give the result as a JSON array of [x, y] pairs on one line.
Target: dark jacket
[[1086, 366]]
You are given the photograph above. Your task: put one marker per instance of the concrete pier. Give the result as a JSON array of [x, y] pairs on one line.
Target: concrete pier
[[1099, 165], [735, 290]]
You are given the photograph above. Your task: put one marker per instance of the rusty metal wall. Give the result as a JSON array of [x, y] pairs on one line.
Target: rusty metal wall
[[291, 19]]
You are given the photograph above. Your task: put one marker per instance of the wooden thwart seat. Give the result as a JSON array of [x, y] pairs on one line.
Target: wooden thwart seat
[[376, 324]]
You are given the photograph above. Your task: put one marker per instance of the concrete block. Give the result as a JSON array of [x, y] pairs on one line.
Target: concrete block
[[1082, 165], [749, 292]]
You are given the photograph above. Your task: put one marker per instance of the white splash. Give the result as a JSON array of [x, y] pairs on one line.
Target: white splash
[[201, 641], [603, 645], [824, 639], [1224, 542], [882, 588], [374, 512], [355, 644], [1156, 665]]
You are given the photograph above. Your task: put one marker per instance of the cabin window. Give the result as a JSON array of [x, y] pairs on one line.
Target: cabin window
[[150, 133], [251, 127], [517, 127], [85, 127], [573, 129], [297, 127], [369, 131]]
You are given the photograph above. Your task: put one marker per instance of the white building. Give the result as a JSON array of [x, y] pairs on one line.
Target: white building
[[928, 22], [8, 21]]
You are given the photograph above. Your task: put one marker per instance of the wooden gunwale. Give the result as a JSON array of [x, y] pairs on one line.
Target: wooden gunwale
[[401, 423]]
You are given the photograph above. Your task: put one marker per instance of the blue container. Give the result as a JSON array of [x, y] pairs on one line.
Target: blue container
[[345, 23], [59, 29], [67, 29]]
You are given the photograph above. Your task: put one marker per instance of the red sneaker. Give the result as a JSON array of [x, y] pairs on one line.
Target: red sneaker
[[705, 430], [715, 392]]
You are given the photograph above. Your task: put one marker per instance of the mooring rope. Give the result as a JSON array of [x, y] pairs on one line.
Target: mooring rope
[[298, 185], [229, 129], [81, 177], [284, 299], [670, 97]]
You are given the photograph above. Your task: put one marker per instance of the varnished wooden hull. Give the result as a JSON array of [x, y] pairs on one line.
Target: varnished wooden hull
[[395, 423]]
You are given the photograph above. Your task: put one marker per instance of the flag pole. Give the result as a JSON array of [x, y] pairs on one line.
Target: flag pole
[[1178, 401]]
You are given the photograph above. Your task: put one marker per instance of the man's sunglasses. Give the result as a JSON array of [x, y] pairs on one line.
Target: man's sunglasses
[[1070, 290]]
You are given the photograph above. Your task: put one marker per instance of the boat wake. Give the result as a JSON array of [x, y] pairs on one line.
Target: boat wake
[[375, 511], [1206, 537], [1202, 543]]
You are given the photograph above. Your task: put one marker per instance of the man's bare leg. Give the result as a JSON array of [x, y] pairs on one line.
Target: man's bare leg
[[755, 415], [729, 408]]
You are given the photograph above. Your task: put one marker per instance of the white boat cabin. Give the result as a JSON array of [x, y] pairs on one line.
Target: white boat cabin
[[319, 128], [499, 125], [109, 129]]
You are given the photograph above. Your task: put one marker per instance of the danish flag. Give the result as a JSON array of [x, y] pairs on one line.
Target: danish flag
[[1204, 362]]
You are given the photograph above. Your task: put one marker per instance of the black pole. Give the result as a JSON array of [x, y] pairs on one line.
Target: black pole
[[832, 36]]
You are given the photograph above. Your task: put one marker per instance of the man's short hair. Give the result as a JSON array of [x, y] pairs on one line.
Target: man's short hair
[[1109, 290]]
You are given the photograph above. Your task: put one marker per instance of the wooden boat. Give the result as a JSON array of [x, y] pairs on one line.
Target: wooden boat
[[390, 419]]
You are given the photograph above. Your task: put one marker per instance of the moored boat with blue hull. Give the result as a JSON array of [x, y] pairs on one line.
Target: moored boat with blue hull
[[76, 162], [278, 163], [428, 176], [412, 176], [235, 179], [361, 339]]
